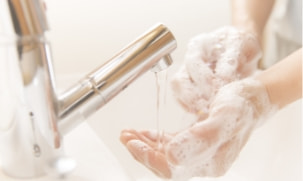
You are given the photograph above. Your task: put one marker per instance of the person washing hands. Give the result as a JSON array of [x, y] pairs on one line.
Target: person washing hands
[[221, 84]]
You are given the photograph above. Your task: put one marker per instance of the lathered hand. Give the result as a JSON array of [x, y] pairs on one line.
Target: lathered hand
[[209, 147], [212, 60]]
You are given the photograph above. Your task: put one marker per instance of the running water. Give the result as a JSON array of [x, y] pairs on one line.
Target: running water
[[161, 86]]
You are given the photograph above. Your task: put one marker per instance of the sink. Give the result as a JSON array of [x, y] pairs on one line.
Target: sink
[[94, 161]]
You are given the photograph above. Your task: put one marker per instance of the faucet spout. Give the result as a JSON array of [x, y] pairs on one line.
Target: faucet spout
[[164, 63], [151, 51]]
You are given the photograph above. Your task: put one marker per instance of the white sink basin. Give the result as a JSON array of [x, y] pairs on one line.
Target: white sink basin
[[94, 161]]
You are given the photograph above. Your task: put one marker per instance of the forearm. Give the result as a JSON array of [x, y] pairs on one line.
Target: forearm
[[251, 15], [283, 81]]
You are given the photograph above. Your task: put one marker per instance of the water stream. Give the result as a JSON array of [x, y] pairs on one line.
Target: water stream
[[161, 86]]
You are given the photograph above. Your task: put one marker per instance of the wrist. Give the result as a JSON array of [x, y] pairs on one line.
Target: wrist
[[251, 28], [257, 94], [283, 81]]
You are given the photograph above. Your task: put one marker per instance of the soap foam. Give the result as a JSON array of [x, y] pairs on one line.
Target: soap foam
[[213, 60], [236, 111], [210, 84]]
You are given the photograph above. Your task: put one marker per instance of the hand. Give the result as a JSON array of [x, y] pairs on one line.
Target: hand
[[207, 148], [212, 61]]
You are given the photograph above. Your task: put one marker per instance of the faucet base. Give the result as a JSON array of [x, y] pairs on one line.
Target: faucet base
[[25, 157]]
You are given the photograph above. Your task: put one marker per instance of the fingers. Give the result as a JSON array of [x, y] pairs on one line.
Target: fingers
[[190, 96], [201, 75], [143, 146], [151, 137], [128, 135], [252, 48], [200, 141], [156, 135], [252, 52], [151, 158], [201, 58], [224, 157]]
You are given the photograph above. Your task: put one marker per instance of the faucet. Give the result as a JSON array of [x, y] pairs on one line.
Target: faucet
[[32, 134]]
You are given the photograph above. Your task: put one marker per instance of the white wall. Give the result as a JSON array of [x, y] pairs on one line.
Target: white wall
[[92, 31]]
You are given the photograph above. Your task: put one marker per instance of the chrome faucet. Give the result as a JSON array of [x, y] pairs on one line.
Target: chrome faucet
[[32, 131]]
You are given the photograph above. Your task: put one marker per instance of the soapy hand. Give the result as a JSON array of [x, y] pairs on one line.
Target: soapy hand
[[212, 60], [209, 147]]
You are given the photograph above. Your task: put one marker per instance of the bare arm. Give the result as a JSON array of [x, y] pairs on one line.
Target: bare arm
[[251, 15], [283, 81]]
